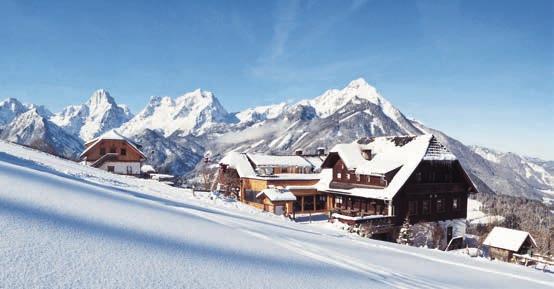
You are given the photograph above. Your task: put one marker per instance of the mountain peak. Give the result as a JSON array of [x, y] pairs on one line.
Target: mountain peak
[[358, 82], [99, 97]]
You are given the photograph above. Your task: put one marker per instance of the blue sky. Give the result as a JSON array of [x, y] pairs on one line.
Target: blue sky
[[482, 71]]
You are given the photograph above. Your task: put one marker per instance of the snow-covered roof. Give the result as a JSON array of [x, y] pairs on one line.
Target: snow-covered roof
[[508, 239], [388, 153], [110, 135], [245, 166], [315, 161], [147, 169], [277, 194], [239, 162], [278, 161]]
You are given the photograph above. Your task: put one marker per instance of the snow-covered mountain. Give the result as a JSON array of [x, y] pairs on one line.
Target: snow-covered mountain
[[192, 113], [98, 115], [175, 133], [9, 109], [35, 130], [537, 173]]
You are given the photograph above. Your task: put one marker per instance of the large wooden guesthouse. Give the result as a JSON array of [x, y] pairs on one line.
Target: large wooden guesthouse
[[387, 179]]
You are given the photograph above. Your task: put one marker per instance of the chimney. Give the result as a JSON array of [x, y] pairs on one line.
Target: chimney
[[298, 152], [320, 151], [366, 154]]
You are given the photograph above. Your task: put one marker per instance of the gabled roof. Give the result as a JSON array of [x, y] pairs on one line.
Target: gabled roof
[[110, 135], [275, 194], [239, 162], [404, 153], [508, 239], [246, 165], [278, 161]]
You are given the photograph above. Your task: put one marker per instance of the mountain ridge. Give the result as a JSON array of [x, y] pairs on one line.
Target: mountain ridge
[[176, 132]]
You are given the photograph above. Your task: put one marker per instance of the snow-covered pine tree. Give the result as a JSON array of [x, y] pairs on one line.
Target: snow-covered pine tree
[[406, 234]]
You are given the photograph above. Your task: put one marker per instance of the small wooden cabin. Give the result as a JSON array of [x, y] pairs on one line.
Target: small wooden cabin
[[277, 200], [503, 243], [114, 153]]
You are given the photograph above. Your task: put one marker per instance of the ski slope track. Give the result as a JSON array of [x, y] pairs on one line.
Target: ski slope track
[[64, 225]]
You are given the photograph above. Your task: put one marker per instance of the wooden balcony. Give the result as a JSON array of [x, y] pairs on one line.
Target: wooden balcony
[[355, 216]]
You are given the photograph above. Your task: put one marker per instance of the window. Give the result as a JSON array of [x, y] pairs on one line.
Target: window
[[129, 170], [123, 152], [455, 204], [111, 169], [102, 151], [321, 202], [339, 175], [284, 170], [297, 207], [358, 178], [347, 176], [250, 196], [440, 205], [338, 201], [308, 203], [112, 150], [432, 177], [425, 207], [412, 208]]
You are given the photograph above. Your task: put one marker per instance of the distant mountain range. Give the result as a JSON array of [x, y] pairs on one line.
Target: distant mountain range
[[176, 133]]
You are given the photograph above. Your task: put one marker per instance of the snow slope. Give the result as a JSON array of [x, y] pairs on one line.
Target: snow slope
[[63, 225]]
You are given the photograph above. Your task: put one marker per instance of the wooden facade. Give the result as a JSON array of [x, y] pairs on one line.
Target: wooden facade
[[124, 151], [309, 199], [435, 191], [507, 255], [114, 155]]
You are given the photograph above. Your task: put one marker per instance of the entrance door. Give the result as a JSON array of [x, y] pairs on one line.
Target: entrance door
[[448, 234], [279, 210]]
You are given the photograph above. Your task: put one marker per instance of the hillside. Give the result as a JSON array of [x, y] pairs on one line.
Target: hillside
[[69, 226]]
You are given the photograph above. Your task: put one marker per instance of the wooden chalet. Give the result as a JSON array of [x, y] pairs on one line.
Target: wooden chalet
[[247, 175], [383, 180], [114, 153], [503, 243]]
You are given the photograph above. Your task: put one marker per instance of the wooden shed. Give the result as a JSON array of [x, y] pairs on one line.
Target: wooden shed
[[276, 200], [503, 243]]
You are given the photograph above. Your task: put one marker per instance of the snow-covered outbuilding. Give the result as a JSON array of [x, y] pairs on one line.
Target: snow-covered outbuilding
[[504, 242], [114, 153], [277, 200]]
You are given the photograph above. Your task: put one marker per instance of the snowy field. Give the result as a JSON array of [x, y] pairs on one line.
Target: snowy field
[[63, 225]]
